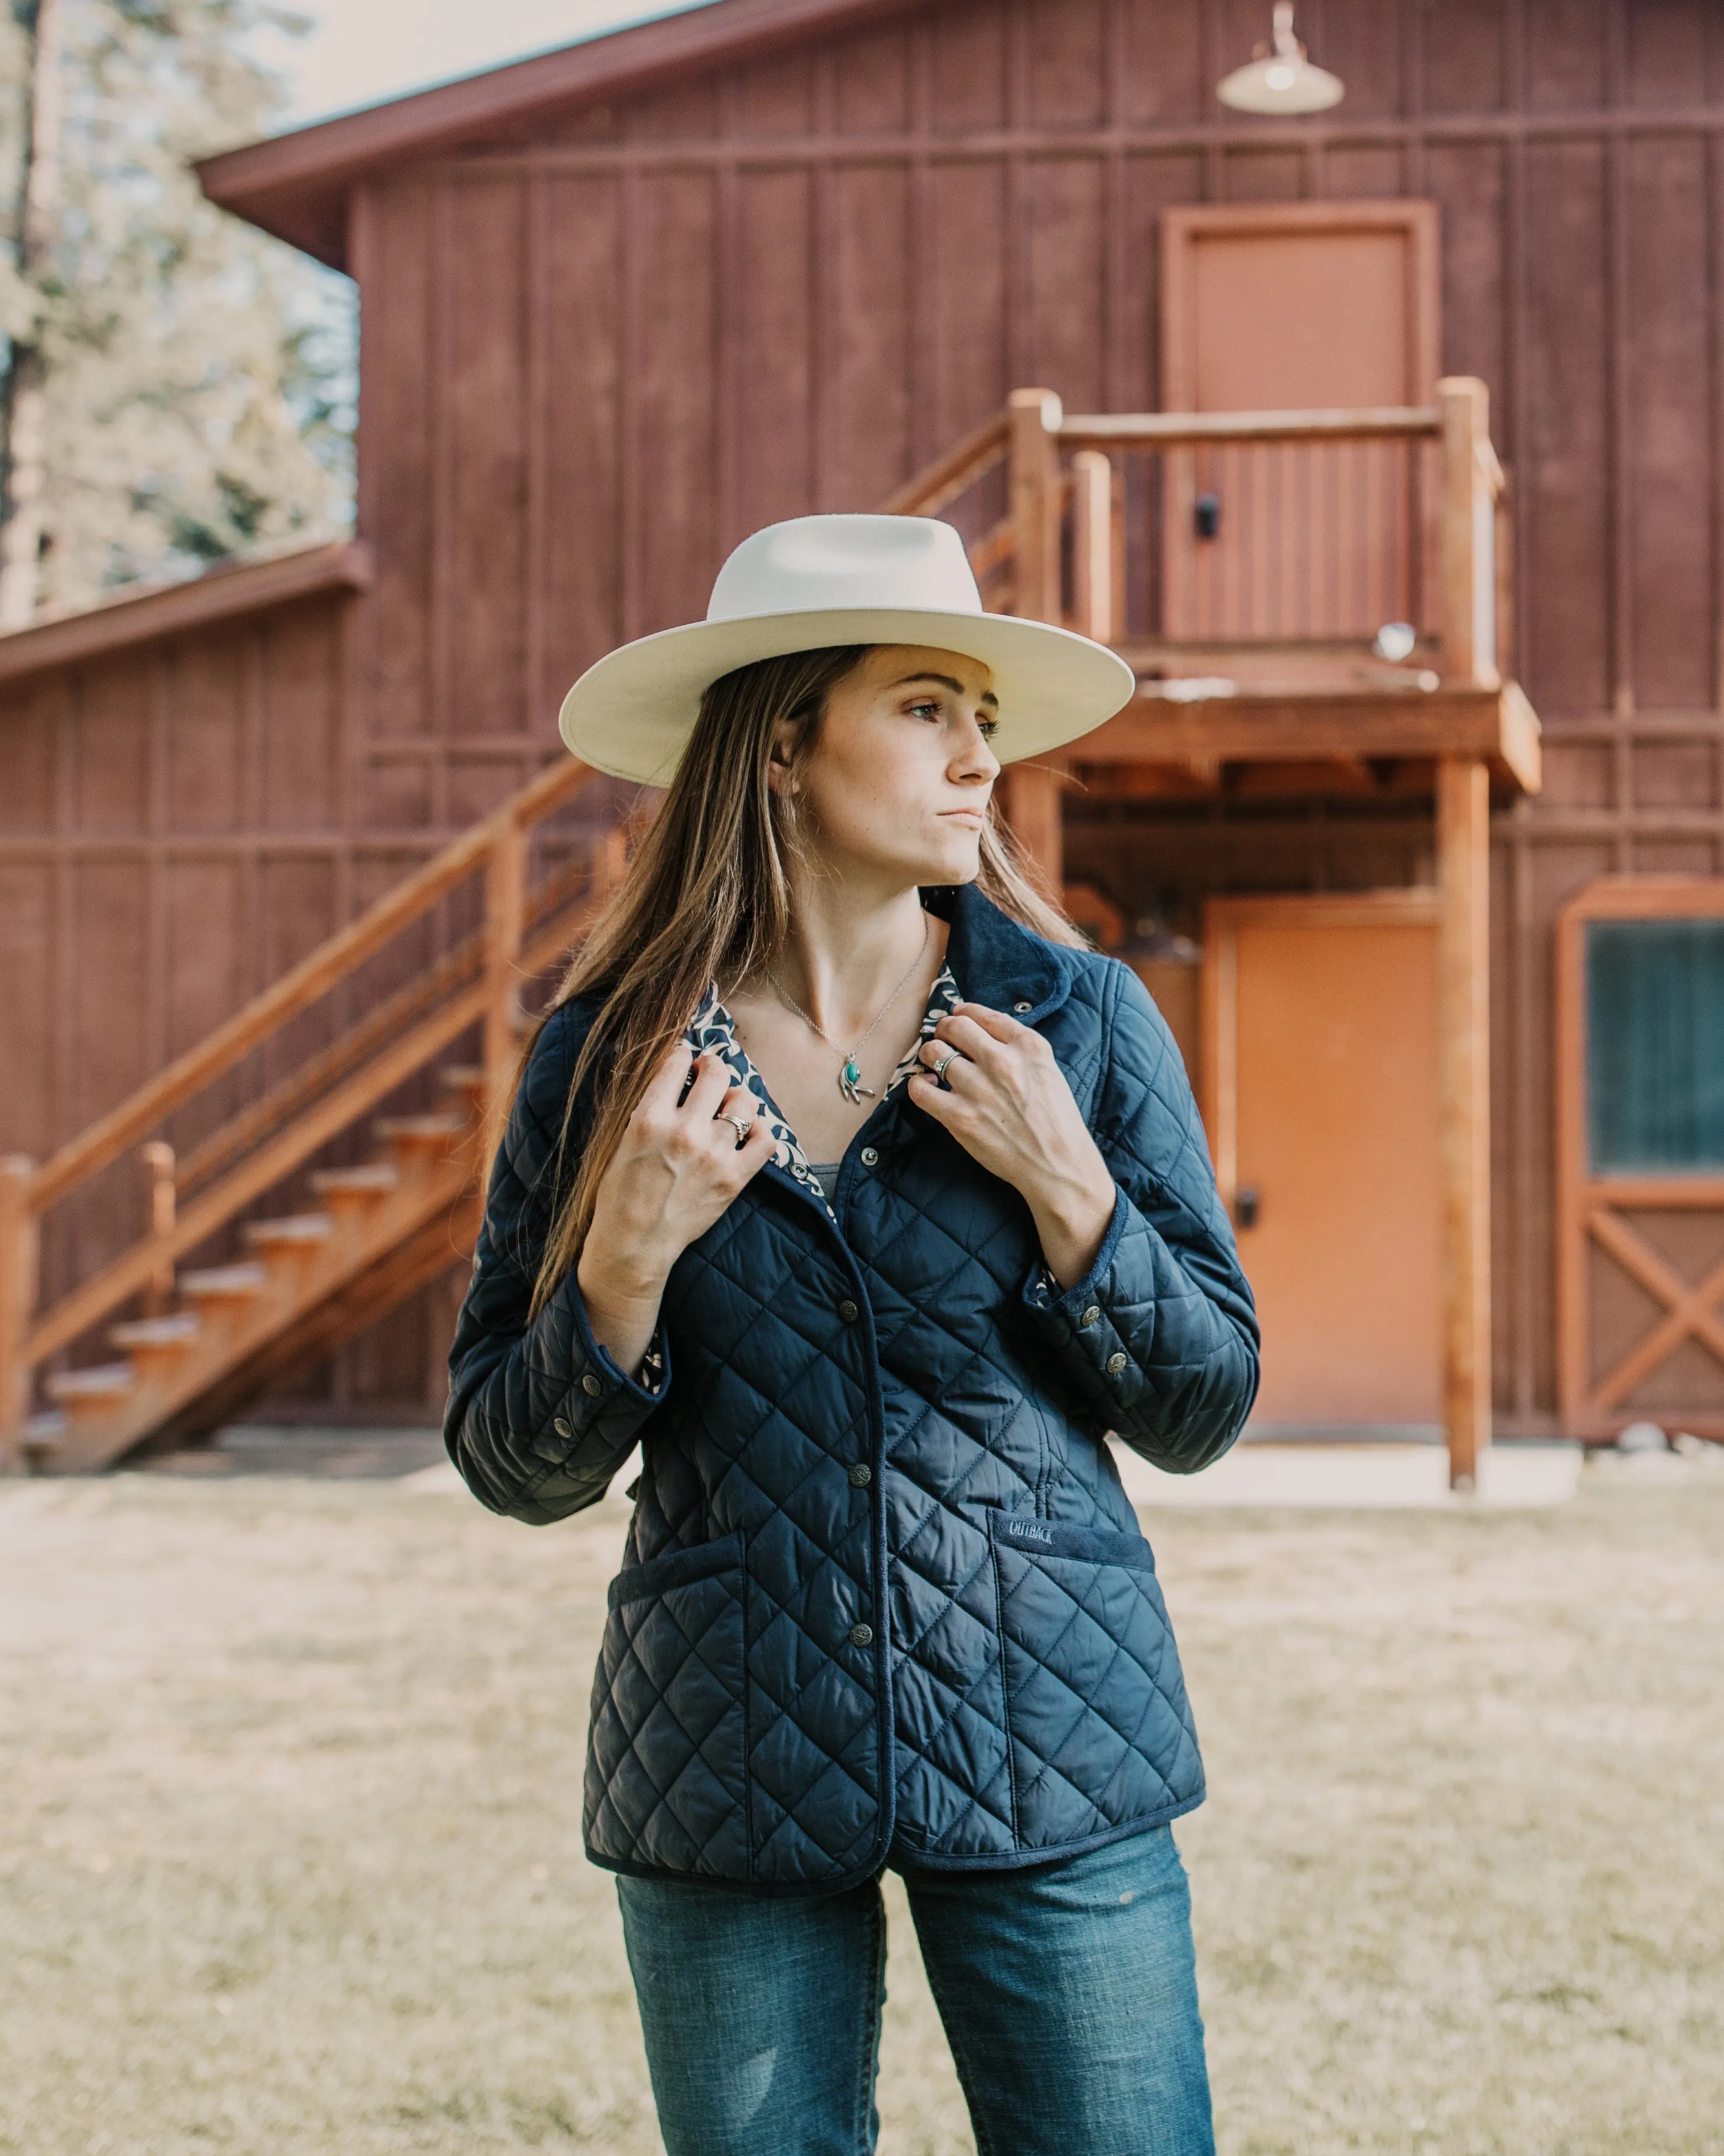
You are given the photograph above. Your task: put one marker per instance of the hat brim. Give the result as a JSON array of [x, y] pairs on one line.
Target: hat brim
[[630, 714]]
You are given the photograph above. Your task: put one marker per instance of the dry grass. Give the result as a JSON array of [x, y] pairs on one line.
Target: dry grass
[[290, 1853]]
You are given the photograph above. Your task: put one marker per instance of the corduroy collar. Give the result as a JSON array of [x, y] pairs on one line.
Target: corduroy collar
[[995, 961]]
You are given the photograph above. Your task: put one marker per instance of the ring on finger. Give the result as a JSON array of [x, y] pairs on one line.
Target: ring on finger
[[739, 1124], [953, 1056]]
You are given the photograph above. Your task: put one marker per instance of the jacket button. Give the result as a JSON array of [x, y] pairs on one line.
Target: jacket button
[[1116, 1363], [591, 1384], [1023, 1007], [861, 1475], [861, 1635], [561, 1426], [848, 1311], [1090, 1315], [869, 1157]]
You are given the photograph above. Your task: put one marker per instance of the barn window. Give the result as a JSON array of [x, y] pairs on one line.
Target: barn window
[[1655, 1033]]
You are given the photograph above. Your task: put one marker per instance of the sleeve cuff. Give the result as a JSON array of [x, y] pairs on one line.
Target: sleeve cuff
[[603, 1379], [1044, 1294]]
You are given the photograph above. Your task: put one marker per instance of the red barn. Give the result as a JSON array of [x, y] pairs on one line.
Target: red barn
[[1340, 428]]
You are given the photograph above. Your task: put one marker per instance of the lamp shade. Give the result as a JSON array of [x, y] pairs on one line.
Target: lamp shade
[[1283, 80]]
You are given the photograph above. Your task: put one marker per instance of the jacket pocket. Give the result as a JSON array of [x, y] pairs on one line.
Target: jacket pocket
[[667, 1778], [1096, 1715]]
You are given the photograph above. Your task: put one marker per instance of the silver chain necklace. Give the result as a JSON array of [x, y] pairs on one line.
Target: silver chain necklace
[[849, 1079]]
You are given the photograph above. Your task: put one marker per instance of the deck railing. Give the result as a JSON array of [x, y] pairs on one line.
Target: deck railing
[[486, 924], [1183, 538]]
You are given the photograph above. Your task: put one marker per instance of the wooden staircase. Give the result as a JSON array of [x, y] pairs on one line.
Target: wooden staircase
[[226, 1291]]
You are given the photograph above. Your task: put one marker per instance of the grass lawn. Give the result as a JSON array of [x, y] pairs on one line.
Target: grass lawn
[[289, 1828]]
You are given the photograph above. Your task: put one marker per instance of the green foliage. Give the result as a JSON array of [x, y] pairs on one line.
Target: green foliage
[[199, 373]]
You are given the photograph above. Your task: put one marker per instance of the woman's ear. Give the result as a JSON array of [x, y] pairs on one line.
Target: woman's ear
[[781, 777]]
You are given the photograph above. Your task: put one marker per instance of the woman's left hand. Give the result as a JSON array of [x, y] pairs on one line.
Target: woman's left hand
[[1009, 1106]]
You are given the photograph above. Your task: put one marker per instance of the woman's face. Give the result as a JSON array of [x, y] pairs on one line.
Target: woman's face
[[897, 783]]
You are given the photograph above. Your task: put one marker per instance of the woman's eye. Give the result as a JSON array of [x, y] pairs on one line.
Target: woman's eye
[[987, 728], [929, 711]]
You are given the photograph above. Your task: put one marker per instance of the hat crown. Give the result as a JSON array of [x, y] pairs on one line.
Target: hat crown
[[821, 564]]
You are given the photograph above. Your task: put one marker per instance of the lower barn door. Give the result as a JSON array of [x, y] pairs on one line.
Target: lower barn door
[[1320, 1097]]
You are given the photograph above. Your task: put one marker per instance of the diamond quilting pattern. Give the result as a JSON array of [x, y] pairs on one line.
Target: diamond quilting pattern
[[1012, 1699], [667, 1768], [1095, 1704]]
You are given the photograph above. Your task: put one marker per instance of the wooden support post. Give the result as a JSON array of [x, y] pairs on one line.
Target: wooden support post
[[1092, 544], [1468, 550], [1031, 793], [504, 915], [18, 1243], [1463, 998]]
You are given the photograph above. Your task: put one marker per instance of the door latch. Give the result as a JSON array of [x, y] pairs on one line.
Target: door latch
[[1206, 516], [1246, 1203]]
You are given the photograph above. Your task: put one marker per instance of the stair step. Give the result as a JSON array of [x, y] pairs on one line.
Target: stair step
[[423, 1137], [98, 1386], [178, 1330], [40, 1435], [376, 1179], [468, 1079], [224, 1283], [297, 1231]]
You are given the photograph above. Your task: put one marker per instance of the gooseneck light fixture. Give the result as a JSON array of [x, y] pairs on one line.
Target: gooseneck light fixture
[[1281, 80]]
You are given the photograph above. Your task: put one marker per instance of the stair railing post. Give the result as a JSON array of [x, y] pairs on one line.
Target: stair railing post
[[158, 1164], [19, 1243], [505, 917], [1031, 793], [1469, 534]]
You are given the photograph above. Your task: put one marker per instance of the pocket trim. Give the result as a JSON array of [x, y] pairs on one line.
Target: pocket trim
[[1033, 1538], [677, 1568]]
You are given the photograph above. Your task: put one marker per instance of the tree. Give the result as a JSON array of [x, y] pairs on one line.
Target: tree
[[179, 386]]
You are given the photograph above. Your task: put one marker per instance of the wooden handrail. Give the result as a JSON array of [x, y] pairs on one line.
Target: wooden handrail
[[928, 493], [1174, 429], [296, 990]]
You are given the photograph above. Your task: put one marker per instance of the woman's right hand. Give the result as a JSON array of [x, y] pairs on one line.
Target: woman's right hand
[[675, 1169]]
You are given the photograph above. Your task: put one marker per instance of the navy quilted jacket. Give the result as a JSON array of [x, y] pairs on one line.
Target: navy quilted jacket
[[882, 1589]]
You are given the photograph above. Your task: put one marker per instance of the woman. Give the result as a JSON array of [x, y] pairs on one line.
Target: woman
[[847, 1183]]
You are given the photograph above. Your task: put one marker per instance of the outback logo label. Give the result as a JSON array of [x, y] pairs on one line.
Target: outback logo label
[[1028, 1531]]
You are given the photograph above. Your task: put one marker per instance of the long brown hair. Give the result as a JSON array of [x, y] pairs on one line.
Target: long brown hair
[[706, 898]]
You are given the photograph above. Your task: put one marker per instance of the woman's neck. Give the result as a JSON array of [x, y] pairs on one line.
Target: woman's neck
[[848, 951]]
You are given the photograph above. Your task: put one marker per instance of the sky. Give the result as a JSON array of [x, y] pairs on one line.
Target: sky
[[362, 51]]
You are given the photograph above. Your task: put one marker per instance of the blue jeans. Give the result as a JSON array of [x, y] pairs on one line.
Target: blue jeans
[[1068, 1993]]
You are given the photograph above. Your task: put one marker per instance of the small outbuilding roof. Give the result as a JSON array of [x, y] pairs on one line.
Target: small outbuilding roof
[[296, 185]]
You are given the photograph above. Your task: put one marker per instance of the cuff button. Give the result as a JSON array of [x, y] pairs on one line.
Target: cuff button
[[591, 1384], [1116, 1363], [1090, 1315], [562, 1427], [1021, 1007]]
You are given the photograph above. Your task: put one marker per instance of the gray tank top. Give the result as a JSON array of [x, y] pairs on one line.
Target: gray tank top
[[825, 1174]]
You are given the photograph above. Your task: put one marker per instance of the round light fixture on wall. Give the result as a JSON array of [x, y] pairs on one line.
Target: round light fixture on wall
[[1281, 80]]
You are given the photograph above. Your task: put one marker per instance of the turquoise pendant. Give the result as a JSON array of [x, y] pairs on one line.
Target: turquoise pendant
[[849, 1082]]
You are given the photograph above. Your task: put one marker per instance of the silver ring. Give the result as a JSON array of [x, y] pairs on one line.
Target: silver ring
[[738, 1126], [956, 1056]]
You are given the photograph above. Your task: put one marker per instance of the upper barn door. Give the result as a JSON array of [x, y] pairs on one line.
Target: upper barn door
[[1305, 306]]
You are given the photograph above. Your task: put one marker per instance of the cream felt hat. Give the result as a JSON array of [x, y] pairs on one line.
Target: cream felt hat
[[824, 580]]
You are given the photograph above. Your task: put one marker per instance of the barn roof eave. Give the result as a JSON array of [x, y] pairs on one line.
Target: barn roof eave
[[296, 185], [158, 610]]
